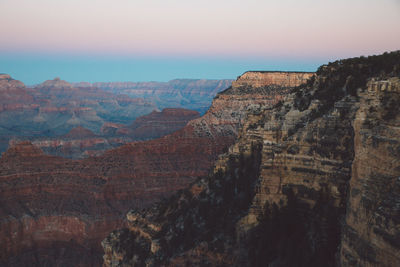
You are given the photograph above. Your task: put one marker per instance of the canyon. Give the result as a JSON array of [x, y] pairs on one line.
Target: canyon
[[195, 94], [80, 142], [56, 211], [45, 113], [311, 180], [284, 169]]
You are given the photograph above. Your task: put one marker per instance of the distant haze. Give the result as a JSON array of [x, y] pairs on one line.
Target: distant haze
[[123, 40]]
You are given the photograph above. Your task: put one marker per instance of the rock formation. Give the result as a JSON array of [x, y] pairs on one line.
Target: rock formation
[[157, 124], [371, 233], [77, 143], [311, 181]]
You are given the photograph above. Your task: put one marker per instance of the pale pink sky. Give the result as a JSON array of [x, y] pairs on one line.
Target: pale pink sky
[[214, 28]]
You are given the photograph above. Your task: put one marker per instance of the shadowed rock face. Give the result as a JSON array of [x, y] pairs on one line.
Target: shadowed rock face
[[56, 211], [157, 124], [312, 181], [371, 233]]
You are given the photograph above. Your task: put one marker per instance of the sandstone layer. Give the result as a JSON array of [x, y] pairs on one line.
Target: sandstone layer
[[312, 181]]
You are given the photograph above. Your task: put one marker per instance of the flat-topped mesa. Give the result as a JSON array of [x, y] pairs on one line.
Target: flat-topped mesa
[[56, 83], [7, 83], [4, 76], [251, 91], [266, 78]]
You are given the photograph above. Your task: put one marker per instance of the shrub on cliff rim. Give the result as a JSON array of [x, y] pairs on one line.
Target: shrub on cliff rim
[[343, 77]]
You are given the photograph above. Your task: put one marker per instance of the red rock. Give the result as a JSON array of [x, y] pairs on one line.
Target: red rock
[[157, 124], [79, 133]]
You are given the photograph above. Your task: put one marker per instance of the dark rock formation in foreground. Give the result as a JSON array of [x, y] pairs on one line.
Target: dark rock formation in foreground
[[55, 211], [312, 181]]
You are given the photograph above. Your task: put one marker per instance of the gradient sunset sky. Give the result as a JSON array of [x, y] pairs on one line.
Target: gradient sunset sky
[[159, 40]]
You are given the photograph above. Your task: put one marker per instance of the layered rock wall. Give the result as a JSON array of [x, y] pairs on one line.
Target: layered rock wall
[[259, 79], [371, 232]]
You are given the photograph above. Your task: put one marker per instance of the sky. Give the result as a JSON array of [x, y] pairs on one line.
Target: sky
[[159, 40]]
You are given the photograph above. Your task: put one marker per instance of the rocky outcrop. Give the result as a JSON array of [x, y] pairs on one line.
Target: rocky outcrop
[[13, 94], [55, 84], [312, 181], [229, 108], [257, 79]]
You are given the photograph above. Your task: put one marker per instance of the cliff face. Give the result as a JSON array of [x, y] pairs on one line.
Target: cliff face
[[228, 110], [312, 181], [55, 210], [371, 233], [257, 79]]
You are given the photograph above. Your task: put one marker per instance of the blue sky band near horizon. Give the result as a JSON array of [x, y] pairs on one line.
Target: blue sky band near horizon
[[125, 40]]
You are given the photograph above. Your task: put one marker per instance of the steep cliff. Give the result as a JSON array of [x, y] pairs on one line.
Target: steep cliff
[[312, 181], [371, 232]]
